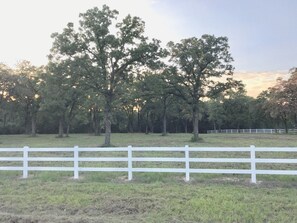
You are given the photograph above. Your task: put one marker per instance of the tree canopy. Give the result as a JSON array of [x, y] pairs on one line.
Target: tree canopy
[[201, 65], [108, 53]]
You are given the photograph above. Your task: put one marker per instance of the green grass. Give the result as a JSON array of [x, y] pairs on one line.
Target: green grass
[[65, 200], [140, 139], [150, 197]]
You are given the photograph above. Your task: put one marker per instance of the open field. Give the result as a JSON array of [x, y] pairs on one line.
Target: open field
[[150, 197], [140, 139]]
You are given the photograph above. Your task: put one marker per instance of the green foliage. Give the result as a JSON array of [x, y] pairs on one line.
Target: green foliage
[[107, 58], [200, 66], [279, 101]]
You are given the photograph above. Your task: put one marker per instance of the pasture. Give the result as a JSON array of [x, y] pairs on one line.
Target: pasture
[[150, 197]]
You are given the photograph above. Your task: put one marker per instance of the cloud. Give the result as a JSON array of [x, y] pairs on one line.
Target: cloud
[[256, 82]]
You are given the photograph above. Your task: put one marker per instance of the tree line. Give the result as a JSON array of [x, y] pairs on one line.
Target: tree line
[[107, 75]]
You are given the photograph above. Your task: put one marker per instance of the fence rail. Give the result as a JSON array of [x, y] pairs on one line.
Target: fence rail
[[130, 160], [253, 131]]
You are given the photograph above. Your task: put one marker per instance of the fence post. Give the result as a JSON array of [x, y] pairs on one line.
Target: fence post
[[187, 163], [25, 161], [75, 162], [253, 164], [130, 175]]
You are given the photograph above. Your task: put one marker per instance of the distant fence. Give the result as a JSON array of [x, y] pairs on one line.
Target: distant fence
[[253, 131], [188, 158]]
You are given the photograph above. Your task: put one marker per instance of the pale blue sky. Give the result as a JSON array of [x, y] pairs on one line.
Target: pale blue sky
[[262, 33]]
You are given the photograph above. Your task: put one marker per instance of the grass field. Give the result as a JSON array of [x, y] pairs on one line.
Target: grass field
[[150, 197], [139, 139]]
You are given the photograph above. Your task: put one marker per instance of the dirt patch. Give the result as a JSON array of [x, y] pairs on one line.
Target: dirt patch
[[22, 220], [10, 218], [130, 206]]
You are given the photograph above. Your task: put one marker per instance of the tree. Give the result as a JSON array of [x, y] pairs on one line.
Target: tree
[[281, 100], [8, 103], [262, 114], [93, 104], [290, 92], [277, 103], [200, 66], [237, 110], [107, 52], [28, 90], [155, 87], [216, 113], [62, 92]]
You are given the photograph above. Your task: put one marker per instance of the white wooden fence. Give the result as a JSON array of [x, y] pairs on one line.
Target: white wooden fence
[[253, 131], [186, 159]]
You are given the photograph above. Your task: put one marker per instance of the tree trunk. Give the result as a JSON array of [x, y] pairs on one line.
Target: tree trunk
[[91, 124], [130, 121], [214, 126], [286, 125], [33, 130], [164, 119], [146, 123], [195, 124], [96, 128], [99, 127], [4, 120], [107, 120], [186, 126], [61, 131], [67, 129], [138, 121], [27, 121], [164, 126], [70, 117], [96, 122]]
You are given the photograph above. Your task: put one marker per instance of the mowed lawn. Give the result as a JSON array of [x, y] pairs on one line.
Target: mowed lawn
[[140, 139], [150, 197]]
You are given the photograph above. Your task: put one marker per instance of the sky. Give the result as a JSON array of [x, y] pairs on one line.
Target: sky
[[262, 33]]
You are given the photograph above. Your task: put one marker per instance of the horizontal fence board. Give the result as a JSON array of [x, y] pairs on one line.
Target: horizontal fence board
[[102, 169], [50, 149], [103, 149], [35, 168], [275, 149], [11, 149], [219, 149], [280, 161], [159, 170], [11, 158], [11, 168], [158, 149], [51, 159], [277, 172], [220, 160], [221, 171], [157, 159], [103, 159]]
